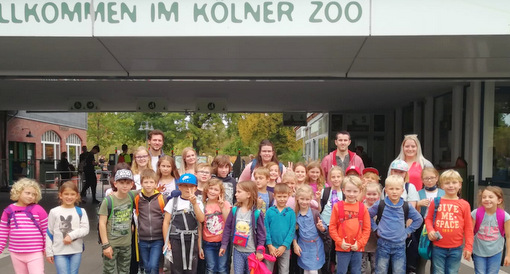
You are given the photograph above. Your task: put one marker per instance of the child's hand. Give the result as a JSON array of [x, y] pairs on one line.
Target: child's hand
[[432, 235], [192, 197], [424, 202], [318, 195], [221, 201], [201, 254], [50, 260], [354, 247], [320, 226], [297, 250], [260, 202], [222, 252], [259, 256], [169, 246], [345, 245], [67, 240], [108, 253], [507, 260], [280, 250], [290, 166], [272, 250], [467, 255]]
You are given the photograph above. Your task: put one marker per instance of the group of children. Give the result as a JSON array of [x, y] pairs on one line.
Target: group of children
[[290, 222]]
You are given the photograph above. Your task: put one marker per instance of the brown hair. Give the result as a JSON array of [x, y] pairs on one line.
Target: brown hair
[[497, 191], [266, 142], [281, 188], [261, 171], [212, 182], [174, 172], [251, 188], [272, 164], [155, 132], [148, 173], [72, 186], [219, 161], [320, 181]]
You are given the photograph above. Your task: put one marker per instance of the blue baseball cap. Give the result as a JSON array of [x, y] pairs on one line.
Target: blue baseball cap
[[399, 165], [187, 178]]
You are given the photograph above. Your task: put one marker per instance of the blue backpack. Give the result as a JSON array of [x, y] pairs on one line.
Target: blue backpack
[[425, 245]]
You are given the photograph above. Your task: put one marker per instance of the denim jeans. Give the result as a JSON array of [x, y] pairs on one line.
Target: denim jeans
[[346, 259], [487, 265], [215, 263], [390, 253], [446, 260], [150, 251], [67, 264]]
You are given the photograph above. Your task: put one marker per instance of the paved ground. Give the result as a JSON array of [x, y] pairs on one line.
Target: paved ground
[[91, 259]]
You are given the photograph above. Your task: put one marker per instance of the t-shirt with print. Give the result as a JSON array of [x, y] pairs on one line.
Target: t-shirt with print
[[244, 227], [488, 241], [182, 204], [214, 222], [118, 225], [265, 198]]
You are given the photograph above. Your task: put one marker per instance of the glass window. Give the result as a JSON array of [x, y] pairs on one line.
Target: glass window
[[51, 146], [443, 130], [73, 142], [501, 155]]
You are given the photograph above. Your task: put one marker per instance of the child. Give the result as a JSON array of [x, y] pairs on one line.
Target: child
[[400, 168], [141, 162], [265, 198], [149, 207], [300, 170], [308, 244], [115, 216], [491, 226], [216, 213], [182, 215], [274, 175], [245, 227], [167, 173], [280, 223], [222, 168], [453, 225], [24, 223], [289, 178], [350, 227], [390, 226], [204, 172], [370, 175], [329, 197], [315, 176], [373, 194], [67, 225]]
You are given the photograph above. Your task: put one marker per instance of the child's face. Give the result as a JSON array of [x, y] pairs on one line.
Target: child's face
[[304, 201], [149, 185], [261, 181], [123, 186], [314, 174], [490, 200], [242, 196], [27, 196], [399, 173], [394, 191], [336, 178], [203, 174], [142, 158], [451, 187], [187, 190], [274, 173], [369, 178], [429, 179], [166, 168], [281, 199], [300, 173], [291, 183], [223, 171], [372, 196], [68, 197], [213, 192], [351, 193]]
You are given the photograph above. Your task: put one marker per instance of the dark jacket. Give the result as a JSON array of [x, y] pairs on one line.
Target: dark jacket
[[150, 218]]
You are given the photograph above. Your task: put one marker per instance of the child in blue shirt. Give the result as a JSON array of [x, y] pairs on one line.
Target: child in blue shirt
[[280, 223]]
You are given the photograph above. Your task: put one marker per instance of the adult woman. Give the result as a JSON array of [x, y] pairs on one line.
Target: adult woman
[[410, 152], [265, 155], [189, 161], [141, 162]]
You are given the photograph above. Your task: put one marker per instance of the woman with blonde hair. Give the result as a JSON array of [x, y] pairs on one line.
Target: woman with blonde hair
[[189, 161]]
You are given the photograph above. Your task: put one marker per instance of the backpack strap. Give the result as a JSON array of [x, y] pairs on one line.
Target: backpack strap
[[136, 201], [109, 206], [500, 216], [161, 201], [437, 201], [271, 199], [325, 197], [407, 188], [257, 214], [480, 213], [28, 212], [341, 214], [253, 164], [406, 212], [8, 210], [380, 210]]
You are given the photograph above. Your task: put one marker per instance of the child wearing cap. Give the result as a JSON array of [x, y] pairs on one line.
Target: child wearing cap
[[182, 216], [115, 224], [353, 170]]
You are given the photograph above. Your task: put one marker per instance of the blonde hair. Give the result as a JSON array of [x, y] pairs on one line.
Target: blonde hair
[[134, 165], [372, 175], [375, 186], [449, 175], [337, 169], [320, 180], [251, 188], [353, 179], [261, 171], [497, 191], [303, 191], [429, 169], [23, 183], [394, 180], [204, 165], [184, 153], [148, 173], [289, 175], [419, 155], [72, 186], [210, 183]]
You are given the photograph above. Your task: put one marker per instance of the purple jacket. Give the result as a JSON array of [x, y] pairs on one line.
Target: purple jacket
[[229, 230], [330, 159]]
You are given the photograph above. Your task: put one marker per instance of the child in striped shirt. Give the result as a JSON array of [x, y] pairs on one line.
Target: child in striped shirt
[[24, 223]]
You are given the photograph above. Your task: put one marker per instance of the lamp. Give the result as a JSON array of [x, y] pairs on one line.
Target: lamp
[[145, 125], [29, 135]]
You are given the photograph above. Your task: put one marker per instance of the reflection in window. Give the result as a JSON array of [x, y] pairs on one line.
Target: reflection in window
[[501, 161]]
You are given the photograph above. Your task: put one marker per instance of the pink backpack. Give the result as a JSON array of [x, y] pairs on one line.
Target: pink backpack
[[500, 217]]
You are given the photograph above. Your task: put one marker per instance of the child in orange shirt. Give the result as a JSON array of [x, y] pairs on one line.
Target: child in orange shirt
[[350, 226], [451, 225]]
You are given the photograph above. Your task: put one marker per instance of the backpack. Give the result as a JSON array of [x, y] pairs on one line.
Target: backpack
[[28, 211], [500, 217], [161, 201], [109, 204], [425, 245], [341, 215], [254, 163], [381, 207], [80, 214]]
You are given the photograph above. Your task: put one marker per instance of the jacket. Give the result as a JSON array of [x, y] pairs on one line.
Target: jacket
[[150, 218], [259, 236], [330, 160]]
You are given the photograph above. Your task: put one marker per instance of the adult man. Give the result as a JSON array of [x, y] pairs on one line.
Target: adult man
[[83, 155], [156, 139], [90, 175], [342, 156]]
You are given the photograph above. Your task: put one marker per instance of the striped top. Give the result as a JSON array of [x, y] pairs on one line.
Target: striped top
[[27, 237]]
